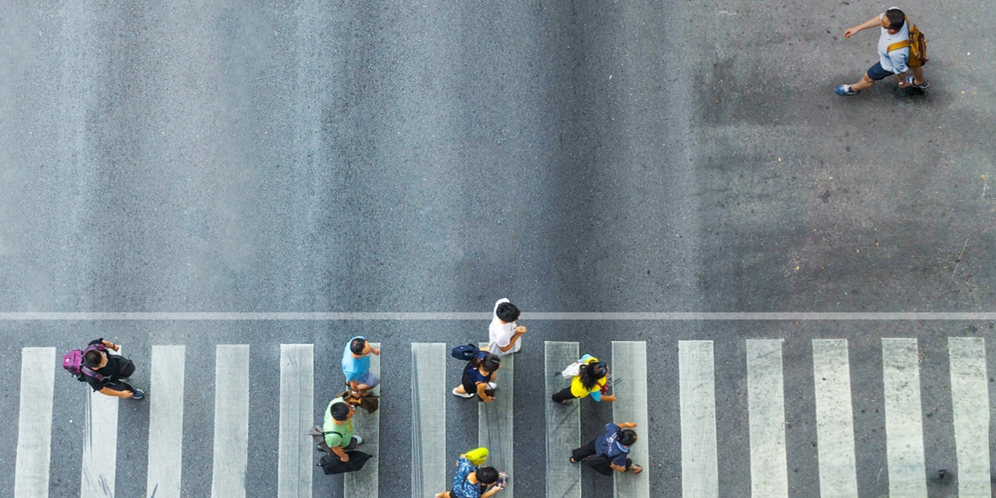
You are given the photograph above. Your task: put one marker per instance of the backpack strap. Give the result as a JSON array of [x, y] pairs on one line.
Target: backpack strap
[[85, 369], [898, 45]]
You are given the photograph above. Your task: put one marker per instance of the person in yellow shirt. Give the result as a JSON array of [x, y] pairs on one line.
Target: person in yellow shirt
[[590, 381]]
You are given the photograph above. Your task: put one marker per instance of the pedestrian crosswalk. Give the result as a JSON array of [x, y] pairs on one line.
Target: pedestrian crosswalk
[[431, 465]]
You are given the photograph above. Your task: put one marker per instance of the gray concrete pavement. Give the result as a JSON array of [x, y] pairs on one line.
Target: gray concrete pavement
[[433, 156]]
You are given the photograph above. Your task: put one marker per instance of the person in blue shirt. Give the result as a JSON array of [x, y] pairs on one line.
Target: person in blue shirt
[[894, 31], [472, 482], [356, 366], [614, 445]]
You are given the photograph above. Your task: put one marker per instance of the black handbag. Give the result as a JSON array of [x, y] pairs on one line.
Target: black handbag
[[331, 464]]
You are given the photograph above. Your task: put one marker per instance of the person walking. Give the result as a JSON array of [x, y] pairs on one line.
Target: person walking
[[893, 52], [473, 482], [591, 380], [104, 372], [611, 450], [479, 376], [338, 429], [356, 366], [504, 333]]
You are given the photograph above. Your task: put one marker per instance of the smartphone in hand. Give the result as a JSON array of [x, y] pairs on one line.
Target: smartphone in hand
[[502, 480]]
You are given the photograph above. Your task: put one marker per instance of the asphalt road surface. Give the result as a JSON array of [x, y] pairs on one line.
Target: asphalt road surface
[[433, 157]]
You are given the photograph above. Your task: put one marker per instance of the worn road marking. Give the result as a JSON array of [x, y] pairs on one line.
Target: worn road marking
[[445, 316], [34, 426], [903, 418], [100, 444], [494, 423], [297, 412], [231, 421], [699, 465], [364, 482], [563, 424], [629, 385], [970, 400], [766, 408], [834, 419], [429, 391], [166, 422]]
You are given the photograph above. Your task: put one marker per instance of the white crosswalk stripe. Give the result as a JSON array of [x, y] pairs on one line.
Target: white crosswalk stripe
[[166, 421], [903, 419], [629, 385], [563, 424], [100, 445], [970, 400], [34, 435], [699, 465], [231, 421], [834, 419], [429, 391], [494, 426], [364, 482], [296, 461], [766, 409]]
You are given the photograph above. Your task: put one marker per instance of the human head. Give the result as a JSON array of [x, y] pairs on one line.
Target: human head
[[94, 359], [507, 312], [491, 362], [896, 19], [359, 347], [627, 437], [487, 475], [591, 373], [341, 412]]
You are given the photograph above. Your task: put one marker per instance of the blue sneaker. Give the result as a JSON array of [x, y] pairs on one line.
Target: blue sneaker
[[909, 81], [844, 90], [137, 394]]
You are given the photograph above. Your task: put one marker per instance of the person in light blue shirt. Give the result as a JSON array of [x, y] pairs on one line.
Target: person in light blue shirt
[[894, 31], [356, 366]]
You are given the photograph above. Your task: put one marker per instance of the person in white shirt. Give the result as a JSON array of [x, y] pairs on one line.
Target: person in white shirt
[[504, 332], [891, 62]]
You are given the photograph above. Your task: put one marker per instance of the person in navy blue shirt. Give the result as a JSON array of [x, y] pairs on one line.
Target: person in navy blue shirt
[[614, 446]]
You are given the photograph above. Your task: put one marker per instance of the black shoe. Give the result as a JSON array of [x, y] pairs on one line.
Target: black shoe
[[137, 394]]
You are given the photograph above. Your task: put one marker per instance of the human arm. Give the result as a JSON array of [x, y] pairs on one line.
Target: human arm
[[481, 388], [627, 425], [110, 345], [491, 491], [869, 24], [341, 453], [111, 392], [636, 469], [515, 337]]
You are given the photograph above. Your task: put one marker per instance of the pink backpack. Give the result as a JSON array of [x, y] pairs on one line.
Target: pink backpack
[[74, 364]]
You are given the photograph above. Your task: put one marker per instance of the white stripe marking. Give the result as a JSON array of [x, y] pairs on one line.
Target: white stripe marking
[[364, 482], [903, 419], [100, 444], [447, 316], [429, 391], [563, 424], [766, 408], [231, 421], [34, 427], [166, 421], [970, 400], [834, 419], [296, 462], [629, 385], [699, 465], [494, 423]]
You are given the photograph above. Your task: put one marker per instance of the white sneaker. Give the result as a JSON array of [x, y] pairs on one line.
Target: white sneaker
[[492, 386], [462, 395], [358, 439]]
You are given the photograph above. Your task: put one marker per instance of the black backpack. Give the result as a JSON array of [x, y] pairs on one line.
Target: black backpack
[[465, 353]]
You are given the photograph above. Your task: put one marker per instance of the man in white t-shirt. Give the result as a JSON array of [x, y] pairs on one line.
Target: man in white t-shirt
[[504, 332], [891, 62]]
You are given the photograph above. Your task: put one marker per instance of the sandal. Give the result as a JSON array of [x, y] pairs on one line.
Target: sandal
[[637, 469]]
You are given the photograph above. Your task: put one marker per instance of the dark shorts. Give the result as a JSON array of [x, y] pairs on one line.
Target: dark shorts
[[877, 72]]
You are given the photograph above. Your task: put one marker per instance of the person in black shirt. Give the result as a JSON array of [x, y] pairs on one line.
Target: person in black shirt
[[112, 368]]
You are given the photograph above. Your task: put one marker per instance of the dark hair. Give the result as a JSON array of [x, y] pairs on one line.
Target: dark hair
[[507, 312], [487, 475], [340, 411], [896, 18], [591, 373], [93, 358], [357, 345], [490, 362], [627, 437]]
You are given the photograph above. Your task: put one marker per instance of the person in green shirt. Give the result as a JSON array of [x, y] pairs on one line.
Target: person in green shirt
[[338, 428]]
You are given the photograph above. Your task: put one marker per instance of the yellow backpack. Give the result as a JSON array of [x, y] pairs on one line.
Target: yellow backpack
[[917, 44]]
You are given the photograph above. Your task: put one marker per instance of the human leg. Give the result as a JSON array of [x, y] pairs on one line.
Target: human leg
[[563, 395], [368, 382], [583, 452], [444, 494], [863, 84]]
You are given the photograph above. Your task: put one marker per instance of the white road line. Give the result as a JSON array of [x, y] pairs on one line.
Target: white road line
[[297, 412], [834, 419], [766, 408], [494, 423], [903, 419], [100, 444], [699, 465], [970, 400], [563, 424], [629, 385], [447, 316], [166, 421], [429, 393], [364, 482], [34, 426], [231, 421]]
